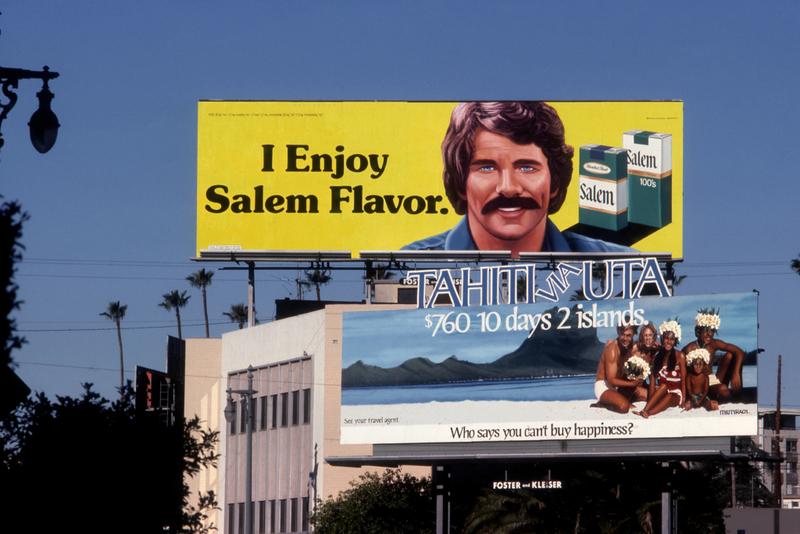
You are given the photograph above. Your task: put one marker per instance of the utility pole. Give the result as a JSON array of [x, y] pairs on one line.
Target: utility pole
[[777, 500]]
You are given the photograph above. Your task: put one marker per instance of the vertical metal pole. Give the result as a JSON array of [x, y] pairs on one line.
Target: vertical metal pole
[[666, 512], [248, 494], [440, 477], [251, 296]]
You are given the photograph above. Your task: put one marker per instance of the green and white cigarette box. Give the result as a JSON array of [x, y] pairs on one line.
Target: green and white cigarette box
[[603, 188], [649, 177]]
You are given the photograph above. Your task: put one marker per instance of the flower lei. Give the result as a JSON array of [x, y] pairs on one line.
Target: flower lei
[[698, 354], [670, 326], [707, 318], [636, 366]]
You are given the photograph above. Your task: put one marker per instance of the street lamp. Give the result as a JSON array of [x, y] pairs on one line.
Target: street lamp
[[230, 416], [44, 123]]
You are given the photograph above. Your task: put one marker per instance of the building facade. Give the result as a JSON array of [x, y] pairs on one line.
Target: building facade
[[297, 376]]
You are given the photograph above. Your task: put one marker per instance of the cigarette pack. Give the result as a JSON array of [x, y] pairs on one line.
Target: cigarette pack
[[649, 177], [603, 196]]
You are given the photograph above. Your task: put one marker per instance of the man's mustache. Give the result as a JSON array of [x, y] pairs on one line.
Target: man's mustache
[[496, 203]]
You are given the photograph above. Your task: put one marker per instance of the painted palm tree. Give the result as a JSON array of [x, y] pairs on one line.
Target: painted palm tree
[[116, 313], [176, 301], [238, 314], [317, 278], [202, 279]]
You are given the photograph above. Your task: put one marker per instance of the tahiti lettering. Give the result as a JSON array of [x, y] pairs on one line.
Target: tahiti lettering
[[493, 282]]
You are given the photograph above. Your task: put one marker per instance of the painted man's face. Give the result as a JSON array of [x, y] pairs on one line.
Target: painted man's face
[[508, 188], [626, 338]]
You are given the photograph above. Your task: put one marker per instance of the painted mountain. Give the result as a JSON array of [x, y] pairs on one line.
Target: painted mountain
[[551, 352]]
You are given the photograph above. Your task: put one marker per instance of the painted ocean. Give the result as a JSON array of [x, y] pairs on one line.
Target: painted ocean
[[570, 388]]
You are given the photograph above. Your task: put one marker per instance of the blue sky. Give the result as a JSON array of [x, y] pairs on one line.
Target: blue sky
[[112, 206]]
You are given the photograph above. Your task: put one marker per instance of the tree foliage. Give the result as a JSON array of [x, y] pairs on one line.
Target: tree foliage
[[202, 279], [97, 466], [175, 300], [116, 313], [318, 278], [392, 503], [11, 219], [611, 497], [238, 314]]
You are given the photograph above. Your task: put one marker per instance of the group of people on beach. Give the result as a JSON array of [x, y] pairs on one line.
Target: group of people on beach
[[653, 370]]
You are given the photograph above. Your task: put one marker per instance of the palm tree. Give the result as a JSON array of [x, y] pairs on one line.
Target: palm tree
[[796, 265], [318, 277], [116, 313], [238, 314], [177, 301], [202, 279]]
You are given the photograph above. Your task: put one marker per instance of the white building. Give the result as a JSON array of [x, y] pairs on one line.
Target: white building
[[297, 373]]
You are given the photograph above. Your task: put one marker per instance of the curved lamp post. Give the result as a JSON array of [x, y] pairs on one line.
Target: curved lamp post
[[230, 415], [44, 123]]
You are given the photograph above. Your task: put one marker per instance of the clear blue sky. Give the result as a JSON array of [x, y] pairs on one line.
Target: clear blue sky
[[113, 204]]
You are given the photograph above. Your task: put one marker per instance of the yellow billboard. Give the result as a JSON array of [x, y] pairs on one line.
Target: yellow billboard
[[519, 176]]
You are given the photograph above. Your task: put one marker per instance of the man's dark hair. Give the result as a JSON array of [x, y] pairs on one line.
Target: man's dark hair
[[621, 329], [522, 122]]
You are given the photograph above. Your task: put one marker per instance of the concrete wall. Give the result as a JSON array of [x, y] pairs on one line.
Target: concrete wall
[[761, 521], [203, 380]]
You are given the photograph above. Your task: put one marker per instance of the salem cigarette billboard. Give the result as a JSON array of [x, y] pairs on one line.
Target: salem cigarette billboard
[[353, 176], [540, 371]]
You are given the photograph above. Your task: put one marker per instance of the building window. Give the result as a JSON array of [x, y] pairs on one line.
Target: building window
[[791, 467], [274, 400], [306, 409], [284, 409], [304, 511], [263, 411], [231, 517], [262, 516], [791, 446], [294, 515], [241, 518], [233, 420], [282, 519], [272, 517], [295, 409]]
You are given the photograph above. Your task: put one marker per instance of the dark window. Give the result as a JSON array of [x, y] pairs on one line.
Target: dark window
[[295, 408], [262, 515], [231, 517], [274, 399], [306, 408], [241, 518], [304, 511], [233, 420], [294, 515], [406, 296], [272, 517], [791, 446], [284, 409], [282, 520], [263, 425]]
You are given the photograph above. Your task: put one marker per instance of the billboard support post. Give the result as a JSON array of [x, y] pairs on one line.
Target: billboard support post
[[440, 478], [251, 294]]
